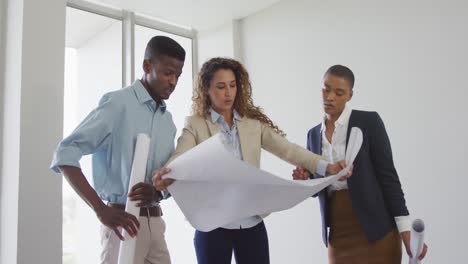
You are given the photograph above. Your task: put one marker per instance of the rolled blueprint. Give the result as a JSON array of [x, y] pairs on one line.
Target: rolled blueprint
[[417, 240], [140, 158]]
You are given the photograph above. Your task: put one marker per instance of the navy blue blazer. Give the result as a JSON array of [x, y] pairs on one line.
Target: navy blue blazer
[[374, 187]]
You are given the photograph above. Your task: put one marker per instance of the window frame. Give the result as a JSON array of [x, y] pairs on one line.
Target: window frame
[[129, 20]]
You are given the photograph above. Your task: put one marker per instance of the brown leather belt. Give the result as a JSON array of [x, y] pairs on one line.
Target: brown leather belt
[[154, 211]]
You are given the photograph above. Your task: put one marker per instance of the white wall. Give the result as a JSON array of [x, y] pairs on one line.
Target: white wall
[[10, 140], [222, 41], [409, 59], [31, 125], [2, 69]]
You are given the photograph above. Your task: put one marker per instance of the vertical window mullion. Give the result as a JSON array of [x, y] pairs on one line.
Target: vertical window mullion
[[195, 54], [128, 51]]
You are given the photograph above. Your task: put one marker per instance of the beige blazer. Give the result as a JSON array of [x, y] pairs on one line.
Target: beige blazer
[[253, 136]]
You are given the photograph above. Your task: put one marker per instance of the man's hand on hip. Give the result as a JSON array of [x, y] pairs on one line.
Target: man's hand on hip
[[115, 218]]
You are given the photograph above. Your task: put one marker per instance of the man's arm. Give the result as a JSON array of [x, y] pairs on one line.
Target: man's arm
[[185, 142], [111, 217], [92, 135]]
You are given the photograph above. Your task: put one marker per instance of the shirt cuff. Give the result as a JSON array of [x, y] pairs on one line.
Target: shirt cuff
[[322, 168], [403, 223], [66, 156]]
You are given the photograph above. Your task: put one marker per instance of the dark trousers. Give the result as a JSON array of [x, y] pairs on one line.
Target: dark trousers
[[250, 246]]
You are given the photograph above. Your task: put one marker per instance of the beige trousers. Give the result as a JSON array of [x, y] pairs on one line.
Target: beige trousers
[[151, 247]]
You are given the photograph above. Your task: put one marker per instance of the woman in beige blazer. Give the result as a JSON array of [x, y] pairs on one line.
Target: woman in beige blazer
[[222, 103]]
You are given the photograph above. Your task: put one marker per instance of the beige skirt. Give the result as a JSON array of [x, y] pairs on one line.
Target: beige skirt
[[348, 243]]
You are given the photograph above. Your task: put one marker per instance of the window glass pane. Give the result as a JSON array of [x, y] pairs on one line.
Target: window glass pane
[[93, 66]]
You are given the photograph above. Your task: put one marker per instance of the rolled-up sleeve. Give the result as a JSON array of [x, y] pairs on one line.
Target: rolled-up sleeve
[[92, 135]]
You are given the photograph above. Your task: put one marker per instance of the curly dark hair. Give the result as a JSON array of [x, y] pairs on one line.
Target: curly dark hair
[[243, 102]]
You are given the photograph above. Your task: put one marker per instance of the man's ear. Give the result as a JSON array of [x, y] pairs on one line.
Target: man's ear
[[147, 66], [350, 95]]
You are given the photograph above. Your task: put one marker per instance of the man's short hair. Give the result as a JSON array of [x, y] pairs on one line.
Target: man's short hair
[[343, 72], [164, 46]]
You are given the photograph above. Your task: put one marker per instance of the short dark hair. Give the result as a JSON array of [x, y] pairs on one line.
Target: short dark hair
[[343, 72], [162, 45]]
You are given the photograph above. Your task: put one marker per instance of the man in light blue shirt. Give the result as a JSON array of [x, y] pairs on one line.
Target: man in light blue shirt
[[109, 133]]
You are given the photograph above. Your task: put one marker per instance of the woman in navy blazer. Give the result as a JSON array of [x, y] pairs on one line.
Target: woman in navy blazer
[[367, 216]]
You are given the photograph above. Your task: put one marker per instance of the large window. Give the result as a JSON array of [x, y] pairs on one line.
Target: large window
[[94, 65]]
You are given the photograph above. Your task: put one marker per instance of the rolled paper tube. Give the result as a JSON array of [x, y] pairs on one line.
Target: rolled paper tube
[[417, 240], [140, 158]]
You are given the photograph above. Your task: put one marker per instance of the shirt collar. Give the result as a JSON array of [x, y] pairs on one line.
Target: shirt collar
[[342, 120], [215, 116], [344, 117], [144, 97]]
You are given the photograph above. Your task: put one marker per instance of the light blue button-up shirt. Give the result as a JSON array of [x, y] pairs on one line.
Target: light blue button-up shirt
[[109, 133], [232, 143]]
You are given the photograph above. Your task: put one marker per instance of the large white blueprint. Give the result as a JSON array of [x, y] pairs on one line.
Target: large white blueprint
[[140, 159], [213, 188]]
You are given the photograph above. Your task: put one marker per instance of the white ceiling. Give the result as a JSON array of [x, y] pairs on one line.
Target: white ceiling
[[198, 14], [201, 15]]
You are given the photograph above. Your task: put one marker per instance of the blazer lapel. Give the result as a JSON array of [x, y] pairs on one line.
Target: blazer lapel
[[351, 123], [317, 137], [242, 128], [212, 127]]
